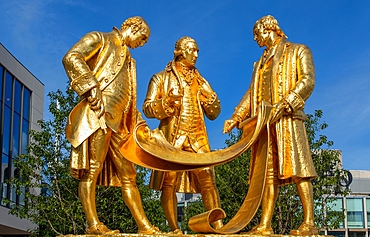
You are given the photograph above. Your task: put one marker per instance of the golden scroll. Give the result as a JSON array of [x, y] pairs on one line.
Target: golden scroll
[[151, 150]]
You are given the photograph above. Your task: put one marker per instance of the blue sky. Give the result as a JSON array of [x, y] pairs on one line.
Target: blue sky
[[39, 33]]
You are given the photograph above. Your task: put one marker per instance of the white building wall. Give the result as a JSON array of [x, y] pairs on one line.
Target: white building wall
[[10, 224]]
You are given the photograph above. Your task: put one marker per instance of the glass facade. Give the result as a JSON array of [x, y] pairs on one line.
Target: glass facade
[[356, 234], [357, 221], [337, 206], [355, 213], [337, 233], [368, 211], [15, 107]]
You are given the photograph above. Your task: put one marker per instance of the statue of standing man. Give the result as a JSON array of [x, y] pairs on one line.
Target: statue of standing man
[[103, 73], [180, 97], [285, 77]]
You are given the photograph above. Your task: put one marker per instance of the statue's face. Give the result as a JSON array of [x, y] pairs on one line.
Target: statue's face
[[261, 35], [190, 54], [139, 38]]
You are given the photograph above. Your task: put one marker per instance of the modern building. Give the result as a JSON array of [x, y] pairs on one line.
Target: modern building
[[356, 207], [21, 106]]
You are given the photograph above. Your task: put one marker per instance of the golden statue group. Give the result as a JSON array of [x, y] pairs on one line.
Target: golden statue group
[[103, 73]]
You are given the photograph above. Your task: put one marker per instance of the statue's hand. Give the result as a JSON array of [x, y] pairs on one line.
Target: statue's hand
[[279, 109], [229, 125], [173, 99], [96, 102]]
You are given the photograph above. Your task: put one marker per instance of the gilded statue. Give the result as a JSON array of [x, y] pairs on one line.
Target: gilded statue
[[103, 73], [284, 76], [179, 97]]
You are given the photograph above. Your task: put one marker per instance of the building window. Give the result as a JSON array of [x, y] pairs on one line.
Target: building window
[[14, 129], [336, 206], [8, 89], [356, 234], [25, 121], [180, 213], [368, 211], [4, 185], [17, 97], [2, 71], [355, 213], [337, 233], [6, 130]]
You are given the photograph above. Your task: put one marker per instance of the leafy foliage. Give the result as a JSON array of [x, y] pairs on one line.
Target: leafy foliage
[[232, 183], [52, 200]]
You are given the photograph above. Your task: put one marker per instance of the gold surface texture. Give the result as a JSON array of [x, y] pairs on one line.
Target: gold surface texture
[[103, 73], [163, 156], [185, 235], [285, 77], [108, 135], [179, 97]]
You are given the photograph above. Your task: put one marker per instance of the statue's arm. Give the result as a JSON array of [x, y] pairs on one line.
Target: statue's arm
[[295, 99], [212, 107], [75, 63], [241, 112], [305, 79], [154, 104], [209, 100]]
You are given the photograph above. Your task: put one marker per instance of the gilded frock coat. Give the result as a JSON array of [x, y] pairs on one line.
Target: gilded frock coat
[[100, 60], [292, 78], [159, 86]]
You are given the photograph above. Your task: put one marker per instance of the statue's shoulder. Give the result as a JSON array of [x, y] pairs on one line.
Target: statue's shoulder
[[297, 48], [98, 36], [166, 70], [93, 35], [160, 74], [296, 45]]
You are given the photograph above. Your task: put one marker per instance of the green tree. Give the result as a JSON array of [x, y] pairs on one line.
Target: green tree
[[232, 183], [52, 201]]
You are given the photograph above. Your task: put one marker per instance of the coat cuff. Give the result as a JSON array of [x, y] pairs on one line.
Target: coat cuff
[[160, 110], [295, 101], [212, 107], [84, 83]]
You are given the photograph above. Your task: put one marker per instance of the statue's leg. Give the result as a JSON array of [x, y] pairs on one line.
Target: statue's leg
[[305, 192], [169, 200], [130, 192], [98, 147], [271, 191], [269, 197], [210, 196]]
